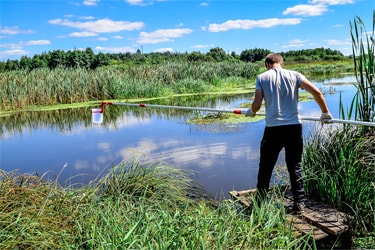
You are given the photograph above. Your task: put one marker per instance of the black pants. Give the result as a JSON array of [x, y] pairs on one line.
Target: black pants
[[274, 140]]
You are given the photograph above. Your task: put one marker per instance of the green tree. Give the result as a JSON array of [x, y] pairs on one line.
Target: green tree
[[12, 65], [254, 55], [196, 57], [39, 62], [57, 59], [100, 60], [25, 62], [218, 54]]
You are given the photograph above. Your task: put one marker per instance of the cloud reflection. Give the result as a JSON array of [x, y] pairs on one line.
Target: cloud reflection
[[183, 154], [79, 165]]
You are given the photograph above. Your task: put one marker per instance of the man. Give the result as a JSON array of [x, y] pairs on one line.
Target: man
[[279, 89]]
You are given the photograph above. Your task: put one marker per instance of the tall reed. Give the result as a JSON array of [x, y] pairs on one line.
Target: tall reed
[[363, 47], [339, 169], [339, 165], [60, 86]]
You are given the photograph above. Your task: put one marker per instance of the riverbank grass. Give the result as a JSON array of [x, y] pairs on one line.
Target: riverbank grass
[[134, 206]]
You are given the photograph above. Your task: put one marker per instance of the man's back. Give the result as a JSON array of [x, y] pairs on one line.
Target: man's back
[[280, 91]]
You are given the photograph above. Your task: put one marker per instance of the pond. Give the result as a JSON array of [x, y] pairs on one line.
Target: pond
[[223, 157]]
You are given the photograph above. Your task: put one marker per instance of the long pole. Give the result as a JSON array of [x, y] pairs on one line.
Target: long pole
[[361, 123], [143, 105], [235, 111]]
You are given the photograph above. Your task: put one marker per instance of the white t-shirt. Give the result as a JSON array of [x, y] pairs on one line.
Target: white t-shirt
[[280, 90]]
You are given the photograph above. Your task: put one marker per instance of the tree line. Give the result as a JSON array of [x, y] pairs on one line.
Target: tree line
[[89, 60]]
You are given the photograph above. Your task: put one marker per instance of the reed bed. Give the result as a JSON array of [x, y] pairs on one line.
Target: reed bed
[[62, 86], [134, 206], [340, 170], [363, 47], [323, 68], [340, 165]]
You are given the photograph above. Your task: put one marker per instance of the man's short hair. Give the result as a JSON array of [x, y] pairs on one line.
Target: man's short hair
[[274, 58]]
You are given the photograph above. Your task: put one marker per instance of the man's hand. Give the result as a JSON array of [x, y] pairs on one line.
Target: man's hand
[[250, 113], [325, 117]]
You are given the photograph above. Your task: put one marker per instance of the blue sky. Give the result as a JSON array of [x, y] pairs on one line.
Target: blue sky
[[29, 27]]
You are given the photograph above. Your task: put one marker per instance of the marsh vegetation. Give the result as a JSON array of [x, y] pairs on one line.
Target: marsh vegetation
[[157, 206]]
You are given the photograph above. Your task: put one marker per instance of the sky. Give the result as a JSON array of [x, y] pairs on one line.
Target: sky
[[29, 27]]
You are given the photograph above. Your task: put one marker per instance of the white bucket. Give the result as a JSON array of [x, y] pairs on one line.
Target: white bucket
[[97, 116]]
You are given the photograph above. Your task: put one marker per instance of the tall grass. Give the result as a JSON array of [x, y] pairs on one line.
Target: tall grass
[[134, 206], [60, 86], [363, 47], [322, 69], [340, 170], [339, 165]]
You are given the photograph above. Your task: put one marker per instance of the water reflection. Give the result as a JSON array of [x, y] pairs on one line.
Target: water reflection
[[223, 156]]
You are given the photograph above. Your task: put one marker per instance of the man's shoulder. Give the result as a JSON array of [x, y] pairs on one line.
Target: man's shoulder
[[288, 70], [292, 72], [265, 74]]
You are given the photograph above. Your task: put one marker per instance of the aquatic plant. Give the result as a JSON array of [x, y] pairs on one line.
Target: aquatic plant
[[339, 165], [363, 47]]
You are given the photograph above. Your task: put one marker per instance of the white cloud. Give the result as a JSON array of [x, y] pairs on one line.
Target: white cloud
[[20, 45], [91, 2], [296, 43], [139, 2], [203, 46], [37, 42], [143, 2], [83, 34], [134, 2], [87, 17], [334, 42], [12, 46], [251, 24], [162, 50], [332, 2], [15, 30], [306, 10], [14, 52], [204, 28], [99, 26], [314, 8], [162, 35]]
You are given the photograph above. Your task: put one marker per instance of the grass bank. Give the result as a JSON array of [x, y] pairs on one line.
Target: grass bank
[[134, 206]]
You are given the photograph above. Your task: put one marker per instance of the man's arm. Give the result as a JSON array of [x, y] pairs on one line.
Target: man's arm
[[316, 93], [319, 98], [257, 102]]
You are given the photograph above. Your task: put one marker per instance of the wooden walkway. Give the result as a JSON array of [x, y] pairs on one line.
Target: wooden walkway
[[318, 219]]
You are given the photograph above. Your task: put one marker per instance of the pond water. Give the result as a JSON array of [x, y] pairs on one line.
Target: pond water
[[224, 157]]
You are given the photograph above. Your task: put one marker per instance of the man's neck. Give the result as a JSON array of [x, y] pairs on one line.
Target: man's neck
[[277, 65]]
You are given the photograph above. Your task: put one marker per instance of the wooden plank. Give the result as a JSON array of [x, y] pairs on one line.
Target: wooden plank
[[301, 226], [328, 219], [242, 193], [243, 198], [305, 228], [318, 218]]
